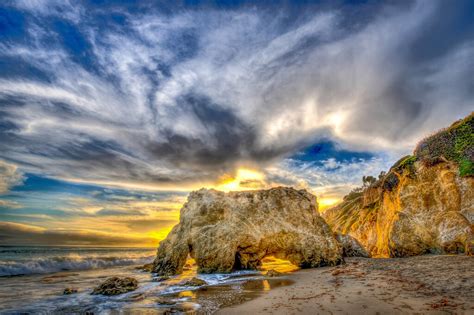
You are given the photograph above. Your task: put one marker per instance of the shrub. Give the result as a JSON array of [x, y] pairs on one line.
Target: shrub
[[454, 143], [390, 181], [466, 167]]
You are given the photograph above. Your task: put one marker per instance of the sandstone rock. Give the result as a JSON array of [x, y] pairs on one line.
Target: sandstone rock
[[424, 204], [116, 285], [273, 273], [236, 230], [194, 282], [350, 246]]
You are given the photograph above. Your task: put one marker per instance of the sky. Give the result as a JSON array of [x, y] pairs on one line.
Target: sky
[[111, 112]]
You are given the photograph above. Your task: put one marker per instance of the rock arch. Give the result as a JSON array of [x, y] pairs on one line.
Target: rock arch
[[236, 230]]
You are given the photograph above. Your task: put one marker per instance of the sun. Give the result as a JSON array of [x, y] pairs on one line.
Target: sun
[[244, 179], [325, 203]]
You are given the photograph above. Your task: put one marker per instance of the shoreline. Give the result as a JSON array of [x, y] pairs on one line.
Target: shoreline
[[422, 284]]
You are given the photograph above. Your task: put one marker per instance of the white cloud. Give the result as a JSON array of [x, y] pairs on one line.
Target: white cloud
[[264, 90], [9, 204], [10, 176], [62, 8], [327, 178]]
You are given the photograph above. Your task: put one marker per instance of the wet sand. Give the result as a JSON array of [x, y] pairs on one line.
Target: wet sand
[[416, 285], [212, 298]]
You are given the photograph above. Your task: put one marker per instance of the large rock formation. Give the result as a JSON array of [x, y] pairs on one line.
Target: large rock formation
[[236, 230], [424, 204]]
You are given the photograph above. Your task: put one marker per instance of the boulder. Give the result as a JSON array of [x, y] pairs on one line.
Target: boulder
[[273, 273], [194, 282], [236, 230], [351, 246], [116, 285]]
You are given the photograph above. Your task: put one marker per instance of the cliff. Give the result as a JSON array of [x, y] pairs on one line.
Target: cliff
[[423, 204], [236, 230]]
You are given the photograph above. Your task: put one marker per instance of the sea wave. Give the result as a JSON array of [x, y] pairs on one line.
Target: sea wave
[[67, 263]]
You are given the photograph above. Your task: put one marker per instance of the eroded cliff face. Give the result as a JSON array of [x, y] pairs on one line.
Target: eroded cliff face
[[236, 230], [424, 204]]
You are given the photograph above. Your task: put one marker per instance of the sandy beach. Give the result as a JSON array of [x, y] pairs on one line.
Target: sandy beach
[[416, 285]]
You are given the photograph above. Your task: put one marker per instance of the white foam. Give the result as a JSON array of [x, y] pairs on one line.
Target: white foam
[[71, 262]]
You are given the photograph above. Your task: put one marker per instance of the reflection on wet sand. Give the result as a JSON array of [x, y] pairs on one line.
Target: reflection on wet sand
[[211, 298], [277, 264], [240, 288]]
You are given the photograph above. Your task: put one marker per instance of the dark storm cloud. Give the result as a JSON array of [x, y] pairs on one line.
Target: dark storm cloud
[[184, 94], [226, 139]]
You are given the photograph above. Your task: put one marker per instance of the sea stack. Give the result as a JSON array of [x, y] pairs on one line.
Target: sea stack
[[236, 230]]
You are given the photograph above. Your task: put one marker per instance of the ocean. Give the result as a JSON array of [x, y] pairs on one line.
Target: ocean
[[32, 280], [26, 260]]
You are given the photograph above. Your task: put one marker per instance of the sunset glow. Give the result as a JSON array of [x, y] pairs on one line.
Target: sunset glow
[[244, 179]]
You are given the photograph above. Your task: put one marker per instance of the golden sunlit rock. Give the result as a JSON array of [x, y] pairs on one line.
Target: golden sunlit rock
[[424, 204], [236, 230]]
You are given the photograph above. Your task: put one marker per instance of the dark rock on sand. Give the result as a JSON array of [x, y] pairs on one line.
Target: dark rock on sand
[[351, 246], [68, 291], [161, 278], [194, 282], [273, 273], [146, 267], [116, 285]]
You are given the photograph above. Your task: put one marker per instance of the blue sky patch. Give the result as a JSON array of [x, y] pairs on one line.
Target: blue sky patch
[[325, 150]]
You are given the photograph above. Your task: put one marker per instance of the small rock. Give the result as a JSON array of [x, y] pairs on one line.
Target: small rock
[[116, 285], [195, 282], [136, 297], [187, 266], [146, 267], [68, 291], [273, 273], [165, 301], [161, 278]]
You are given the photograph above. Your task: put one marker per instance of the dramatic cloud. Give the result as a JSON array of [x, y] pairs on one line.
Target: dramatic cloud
[[114, 112], [157, 98]]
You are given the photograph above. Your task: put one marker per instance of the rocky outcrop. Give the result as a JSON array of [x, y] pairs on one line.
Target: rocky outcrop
[[116, 285], [424, 204], [236, 230]]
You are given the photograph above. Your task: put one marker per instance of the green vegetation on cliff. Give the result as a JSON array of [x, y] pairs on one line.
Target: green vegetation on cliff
[[455, 143]]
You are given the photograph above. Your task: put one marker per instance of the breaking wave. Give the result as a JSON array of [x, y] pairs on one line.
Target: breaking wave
[[67, 263]]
